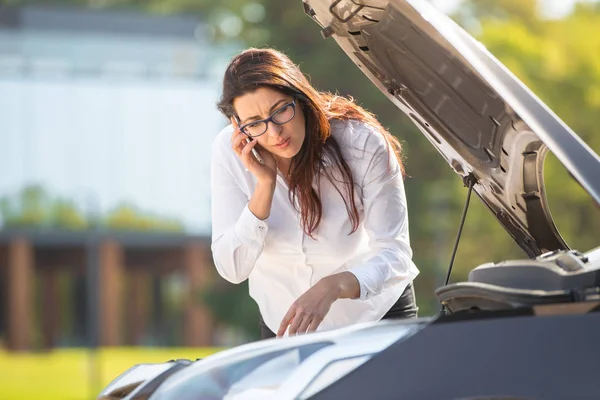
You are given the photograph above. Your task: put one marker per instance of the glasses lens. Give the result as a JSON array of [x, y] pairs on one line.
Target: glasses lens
[[284, 114], [255, 129]]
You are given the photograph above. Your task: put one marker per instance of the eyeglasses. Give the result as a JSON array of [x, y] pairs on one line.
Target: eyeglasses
[[282, 115]]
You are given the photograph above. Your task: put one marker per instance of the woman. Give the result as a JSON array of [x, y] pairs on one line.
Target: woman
[[319, 225]]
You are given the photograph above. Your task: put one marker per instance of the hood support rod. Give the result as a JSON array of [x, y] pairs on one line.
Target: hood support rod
[[469, 181]]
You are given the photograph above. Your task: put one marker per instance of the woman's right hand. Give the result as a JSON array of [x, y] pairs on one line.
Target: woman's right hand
[[264, 173]]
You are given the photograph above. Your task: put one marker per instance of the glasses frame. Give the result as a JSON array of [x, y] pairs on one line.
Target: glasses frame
[[270, 119]]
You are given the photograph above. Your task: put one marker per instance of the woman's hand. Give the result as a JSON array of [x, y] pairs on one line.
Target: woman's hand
[[309, 310], [264, 173]]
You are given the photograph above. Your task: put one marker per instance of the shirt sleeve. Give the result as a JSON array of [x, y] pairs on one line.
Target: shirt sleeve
[[237, 234], [385, 220]]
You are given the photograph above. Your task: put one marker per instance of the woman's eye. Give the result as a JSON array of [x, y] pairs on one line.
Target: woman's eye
[[281, 110]]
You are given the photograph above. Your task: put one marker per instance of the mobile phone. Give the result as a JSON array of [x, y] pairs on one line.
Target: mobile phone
[[256, 155]]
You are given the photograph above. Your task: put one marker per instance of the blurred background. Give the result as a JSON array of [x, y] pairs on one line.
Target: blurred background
[[107, 115]]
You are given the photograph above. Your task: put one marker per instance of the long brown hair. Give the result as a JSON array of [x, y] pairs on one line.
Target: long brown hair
[[256, 68]]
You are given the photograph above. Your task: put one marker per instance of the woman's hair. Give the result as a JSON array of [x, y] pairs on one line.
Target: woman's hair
[[258, 68]]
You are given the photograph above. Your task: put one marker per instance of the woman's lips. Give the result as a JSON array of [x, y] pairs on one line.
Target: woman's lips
[[283, 144]]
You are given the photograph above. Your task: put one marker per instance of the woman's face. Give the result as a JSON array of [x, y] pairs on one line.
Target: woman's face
[[283, 140]]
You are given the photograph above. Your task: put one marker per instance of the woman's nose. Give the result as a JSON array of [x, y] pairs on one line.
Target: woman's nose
[[274, 130]]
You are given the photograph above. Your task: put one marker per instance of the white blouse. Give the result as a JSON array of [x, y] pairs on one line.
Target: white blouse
[[282, 262]]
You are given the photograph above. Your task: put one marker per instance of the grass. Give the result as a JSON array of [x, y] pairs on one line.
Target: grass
[[66, 374]]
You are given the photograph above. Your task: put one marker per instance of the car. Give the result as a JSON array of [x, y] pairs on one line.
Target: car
[[294, 367], [516, 329]]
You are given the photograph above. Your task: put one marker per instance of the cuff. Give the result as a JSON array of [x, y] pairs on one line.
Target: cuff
[[367, 280], [250, 230]]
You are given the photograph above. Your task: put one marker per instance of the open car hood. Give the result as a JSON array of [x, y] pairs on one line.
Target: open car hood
[[479, 116]]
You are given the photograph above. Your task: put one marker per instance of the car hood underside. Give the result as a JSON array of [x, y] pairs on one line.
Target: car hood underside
[[485, 123]]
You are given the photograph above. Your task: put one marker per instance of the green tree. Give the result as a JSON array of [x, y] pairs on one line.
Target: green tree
[[128, 217], [65, 213], [34, 206], [30, 207]]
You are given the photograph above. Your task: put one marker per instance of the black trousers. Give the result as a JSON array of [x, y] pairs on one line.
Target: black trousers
[[404, 307]]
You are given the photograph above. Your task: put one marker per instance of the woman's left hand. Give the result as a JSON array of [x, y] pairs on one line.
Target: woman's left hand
[[309, 310]]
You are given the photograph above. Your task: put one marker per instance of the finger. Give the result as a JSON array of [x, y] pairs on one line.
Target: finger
[[248, 146], [296, 322], [314, 324], [246, 150], [286, 320], [238, 142], [306, 322]]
